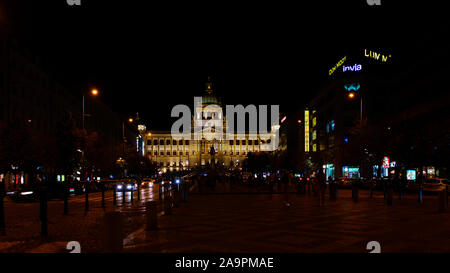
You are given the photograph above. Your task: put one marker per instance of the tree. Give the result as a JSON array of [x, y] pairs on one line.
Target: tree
[[67, 142]]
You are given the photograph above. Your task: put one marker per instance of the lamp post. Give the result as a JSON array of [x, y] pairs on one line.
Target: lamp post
[[94, 92], [352, 95], [124, 140]]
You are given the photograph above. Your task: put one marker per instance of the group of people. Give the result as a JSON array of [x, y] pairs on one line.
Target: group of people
[[283, 181]]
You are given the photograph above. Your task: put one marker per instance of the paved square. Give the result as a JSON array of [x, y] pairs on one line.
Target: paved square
[[261, 223]]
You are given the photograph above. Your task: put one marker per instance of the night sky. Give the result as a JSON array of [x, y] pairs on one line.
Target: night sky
[[147, 57]]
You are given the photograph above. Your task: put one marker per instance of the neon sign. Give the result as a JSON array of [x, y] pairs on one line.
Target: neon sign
[[376, 56], [355, 67], [337, 65], [306, 131], [386, 162], [352, 86]]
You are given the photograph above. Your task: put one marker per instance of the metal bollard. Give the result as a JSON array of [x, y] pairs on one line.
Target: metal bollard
[[43, 212], [66, 202], [138, 192], [103, 196], [131, 195], [113, 235], [2, 215], [123, 195], [441, 201], [175, 194], [86, 200], [114, 195], [186, 192], [152, 215], [446, 193], [168, 205], [420, 193], [390, 193]]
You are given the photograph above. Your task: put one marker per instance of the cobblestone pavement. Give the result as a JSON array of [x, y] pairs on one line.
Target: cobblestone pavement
[[23, 224], [257, 223], [239, 220]]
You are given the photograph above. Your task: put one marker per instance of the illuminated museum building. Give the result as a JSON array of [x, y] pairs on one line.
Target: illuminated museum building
[[171, 154]]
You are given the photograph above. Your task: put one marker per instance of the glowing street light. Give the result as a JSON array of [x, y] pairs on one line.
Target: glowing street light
[[130, 120], [94, 92]]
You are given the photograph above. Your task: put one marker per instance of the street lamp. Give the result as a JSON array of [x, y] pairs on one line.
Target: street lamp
[[94, 92], [130, 120], [352, 95]]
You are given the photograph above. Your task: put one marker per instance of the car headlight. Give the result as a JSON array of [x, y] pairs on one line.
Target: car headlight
[[119, 187], [26, 193], [129, 187]]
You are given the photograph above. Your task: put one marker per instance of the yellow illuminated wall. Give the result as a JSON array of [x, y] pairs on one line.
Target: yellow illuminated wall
[[306, 131]]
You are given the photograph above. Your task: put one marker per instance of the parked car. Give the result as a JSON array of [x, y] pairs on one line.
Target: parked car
[[24, 195]]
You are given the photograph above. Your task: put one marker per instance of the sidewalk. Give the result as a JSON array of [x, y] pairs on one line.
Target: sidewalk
[[23, 224]]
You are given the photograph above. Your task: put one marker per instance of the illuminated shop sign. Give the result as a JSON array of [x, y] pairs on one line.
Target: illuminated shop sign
[[411, 174], [385, 162], [306, 131], [374, 55], [352, 86], [350, 171], [337, 66], [355, 67]]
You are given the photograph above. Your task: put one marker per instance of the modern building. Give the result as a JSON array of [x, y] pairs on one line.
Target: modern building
[[30, 97], [374, 118], [356, 91]]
